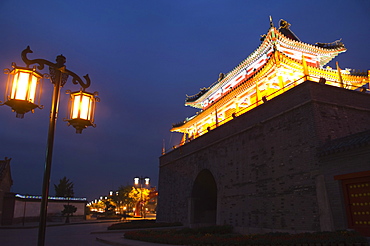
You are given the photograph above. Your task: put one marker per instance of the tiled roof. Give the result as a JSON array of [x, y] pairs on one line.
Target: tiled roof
[[274, 39], [345, 143]]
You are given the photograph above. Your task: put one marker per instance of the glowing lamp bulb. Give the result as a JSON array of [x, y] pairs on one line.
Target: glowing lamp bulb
[[82, 109], [21, 91]]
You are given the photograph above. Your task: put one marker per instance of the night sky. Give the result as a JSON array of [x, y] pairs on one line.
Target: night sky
[[143, 57]]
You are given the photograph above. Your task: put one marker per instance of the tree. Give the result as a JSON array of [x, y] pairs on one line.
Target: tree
[[64, 188], [97, 206], [121, 199], [127, 197], [109, 208], [122, 195], [139, 194], [68, 211], [141, 197]]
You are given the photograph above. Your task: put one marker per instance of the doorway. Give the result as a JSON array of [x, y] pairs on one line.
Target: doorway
[[356, 193], [203, 202]]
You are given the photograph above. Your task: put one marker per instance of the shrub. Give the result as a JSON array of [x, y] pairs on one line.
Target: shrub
[[138, 224], [223, 236]]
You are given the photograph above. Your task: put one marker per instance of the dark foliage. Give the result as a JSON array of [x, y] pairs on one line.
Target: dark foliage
[[222, 236], [69, 210], [64, 188], [138, 224]]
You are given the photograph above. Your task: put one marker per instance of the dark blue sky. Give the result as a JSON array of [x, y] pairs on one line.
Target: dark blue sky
[[143, 57]]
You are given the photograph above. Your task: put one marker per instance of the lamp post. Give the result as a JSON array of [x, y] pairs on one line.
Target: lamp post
[[141, 181], [22, 94]]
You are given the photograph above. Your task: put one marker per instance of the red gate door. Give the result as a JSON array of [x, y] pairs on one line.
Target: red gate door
[[356, 191]]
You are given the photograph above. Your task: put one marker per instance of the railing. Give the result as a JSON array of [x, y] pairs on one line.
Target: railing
[[259, 102]]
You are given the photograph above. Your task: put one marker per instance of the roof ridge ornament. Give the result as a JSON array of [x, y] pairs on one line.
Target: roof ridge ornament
[[263, 36], [333, 45], [284, 24], [285, 30], [271, 23], [221, 76]]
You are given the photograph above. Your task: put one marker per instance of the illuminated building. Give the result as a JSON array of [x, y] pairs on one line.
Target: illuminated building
[[280, 63], [281, 143]]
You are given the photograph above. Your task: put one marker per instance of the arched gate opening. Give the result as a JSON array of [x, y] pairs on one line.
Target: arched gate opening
[[204, 200]]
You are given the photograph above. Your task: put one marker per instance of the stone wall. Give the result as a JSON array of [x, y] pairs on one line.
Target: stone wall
[[32, 208], [19, 210], [340, 162], [265, 163], [6, 182]]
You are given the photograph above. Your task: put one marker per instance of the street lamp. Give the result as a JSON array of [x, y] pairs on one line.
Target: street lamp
[[23, 94], [82, 109], [21, 89], [141, 181]]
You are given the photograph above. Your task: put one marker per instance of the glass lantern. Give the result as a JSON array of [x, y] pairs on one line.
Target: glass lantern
[[82, 109], [23, 90]]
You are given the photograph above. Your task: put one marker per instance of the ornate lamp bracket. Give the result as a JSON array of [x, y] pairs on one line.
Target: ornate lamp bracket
[[53, 67]]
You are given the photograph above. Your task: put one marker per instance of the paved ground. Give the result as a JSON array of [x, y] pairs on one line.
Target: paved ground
[[74, 234]]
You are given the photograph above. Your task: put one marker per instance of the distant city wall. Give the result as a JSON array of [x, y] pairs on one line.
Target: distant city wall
[[18, 210], [32, 209]]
